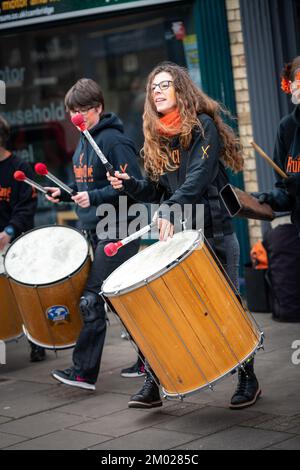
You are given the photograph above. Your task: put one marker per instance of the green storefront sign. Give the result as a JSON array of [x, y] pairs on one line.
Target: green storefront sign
[[23, 12]]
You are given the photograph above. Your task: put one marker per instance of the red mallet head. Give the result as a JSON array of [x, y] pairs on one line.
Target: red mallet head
[[41, 169], [19, 175], [111, 249], [78, 121]]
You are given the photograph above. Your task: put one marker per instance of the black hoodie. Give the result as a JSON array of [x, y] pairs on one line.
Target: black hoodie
[[18, 200], [90, 173], [200, 169], [287, 157]]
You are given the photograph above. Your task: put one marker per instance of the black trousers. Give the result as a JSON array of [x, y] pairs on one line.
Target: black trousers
[[88, 350]]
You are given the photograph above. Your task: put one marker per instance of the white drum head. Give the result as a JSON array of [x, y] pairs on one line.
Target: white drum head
[[46, 255], [149, 262]]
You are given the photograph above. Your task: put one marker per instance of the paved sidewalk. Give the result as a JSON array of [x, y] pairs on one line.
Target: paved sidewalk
[[38, 413]]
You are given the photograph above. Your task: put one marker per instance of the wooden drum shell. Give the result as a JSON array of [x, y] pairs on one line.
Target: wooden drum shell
[[189, 324], [35, 301], [10, 319]]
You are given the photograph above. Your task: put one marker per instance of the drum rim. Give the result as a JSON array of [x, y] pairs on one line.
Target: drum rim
[[48, 283], [14, 339], [174, 396], [44, 345], [200, 238]]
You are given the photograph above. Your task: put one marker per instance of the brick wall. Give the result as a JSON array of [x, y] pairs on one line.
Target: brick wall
[[243, 105]]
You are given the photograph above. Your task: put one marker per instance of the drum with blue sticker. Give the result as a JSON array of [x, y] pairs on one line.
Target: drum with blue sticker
[[47, 269], [58, 313]]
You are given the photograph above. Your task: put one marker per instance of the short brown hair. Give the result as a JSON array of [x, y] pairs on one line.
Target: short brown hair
[[4, 132], [86, 93]]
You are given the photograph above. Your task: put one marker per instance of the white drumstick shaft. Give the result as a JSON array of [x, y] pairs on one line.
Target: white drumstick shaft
[[59, 183], [138, 234], [95, 147], [35, 185]]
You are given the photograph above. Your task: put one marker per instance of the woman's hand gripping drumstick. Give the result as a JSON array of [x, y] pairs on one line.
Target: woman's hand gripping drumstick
[[111, 249]]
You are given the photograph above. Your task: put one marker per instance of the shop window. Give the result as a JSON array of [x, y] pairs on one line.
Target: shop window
[[39, 66]]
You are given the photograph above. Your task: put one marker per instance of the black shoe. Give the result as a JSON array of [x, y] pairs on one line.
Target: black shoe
[[147, 397], [137, 370], [248, 390], [37, 354], [70, 377]]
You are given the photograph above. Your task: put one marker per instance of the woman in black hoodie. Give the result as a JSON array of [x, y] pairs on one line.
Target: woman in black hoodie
[[187, 146]]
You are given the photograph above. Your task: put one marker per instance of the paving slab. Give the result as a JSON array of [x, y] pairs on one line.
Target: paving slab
[[4, 419], [37, 412], [289, 444], [11, 389], [206, 421], [281, 424], [147, 439], [97, 406], [46, 399], [178, 408], [40, 424], [112, 381], [237, 438], [122, 423], [71, 440], [9, 440]]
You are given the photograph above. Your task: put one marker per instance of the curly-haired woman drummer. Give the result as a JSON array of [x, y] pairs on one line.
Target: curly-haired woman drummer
[[187, 147]]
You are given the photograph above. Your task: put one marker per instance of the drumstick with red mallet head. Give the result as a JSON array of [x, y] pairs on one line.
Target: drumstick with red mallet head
[[111, 249], [78, 121], [42, 170], [20, 176]]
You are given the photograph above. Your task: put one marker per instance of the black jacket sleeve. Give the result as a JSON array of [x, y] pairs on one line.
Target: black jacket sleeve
[[122, 155], [25, 204], [144, 190]]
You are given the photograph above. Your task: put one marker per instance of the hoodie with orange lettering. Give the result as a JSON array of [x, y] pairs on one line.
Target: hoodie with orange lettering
[[287, 157], [90, 173]]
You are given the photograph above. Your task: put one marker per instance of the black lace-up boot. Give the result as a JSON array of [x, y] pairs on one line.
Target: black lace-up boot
[[148, 396], [248, 390]]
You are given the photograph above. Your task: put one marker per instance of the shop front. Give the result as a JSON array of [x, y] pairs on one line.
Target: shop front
[[115, 46], [46, 46]]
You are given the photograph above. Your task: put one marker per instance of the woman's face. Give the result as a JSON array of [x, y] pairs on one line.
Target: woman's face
[[163, 93], [295, 88]]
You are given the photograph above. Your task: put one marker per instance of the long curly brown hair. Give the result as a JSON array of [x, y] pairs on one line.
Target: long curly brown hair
[[191, 102]]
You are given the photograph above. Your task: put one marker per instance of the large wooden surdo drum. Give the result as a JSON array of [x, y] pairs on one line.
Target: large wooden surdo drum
[[47, 269], [10, 319], [182, 312]]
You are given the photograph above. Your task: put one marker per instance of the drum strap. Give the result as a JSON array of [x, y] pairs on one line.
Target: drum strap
[[217, 221]]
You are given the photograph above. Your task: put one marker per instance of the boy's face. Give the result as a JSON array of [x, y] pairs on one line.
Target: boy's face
[[91, 116]]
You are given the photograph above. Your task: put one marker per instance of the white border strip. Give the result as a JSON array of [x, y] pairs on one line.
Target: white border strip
[[83, 13]]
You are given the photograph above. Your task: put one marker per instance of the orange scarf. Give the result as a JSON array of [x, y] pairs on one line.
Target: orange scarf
[[172, 121]]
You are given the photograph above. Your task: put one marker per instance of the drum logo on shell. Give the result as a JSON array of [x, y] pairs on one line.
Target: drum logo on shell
[[58, 313]]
